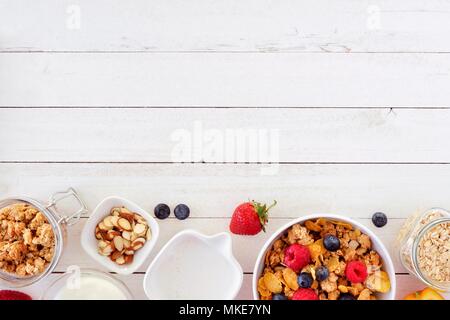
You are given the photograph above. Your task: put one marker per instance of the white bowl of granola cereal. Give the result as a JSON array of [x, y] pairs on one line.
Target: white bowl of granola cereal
[[324, 257]]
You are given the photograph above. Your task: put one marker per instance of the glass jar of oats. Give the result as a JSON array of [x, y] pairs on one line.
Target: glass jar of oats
[[424, 243]]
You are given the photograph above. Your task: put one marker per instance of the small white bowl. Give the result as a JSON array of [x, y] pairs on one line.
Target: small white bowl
[[377, 245], [89, 242], [193, 266]]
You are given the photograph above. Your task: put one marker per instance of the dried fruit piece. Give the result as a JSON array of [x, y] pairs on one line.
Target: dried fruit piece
[[313, 226], [378, 281], [290, 277], [333, 263], [272, 283], [262, 288]]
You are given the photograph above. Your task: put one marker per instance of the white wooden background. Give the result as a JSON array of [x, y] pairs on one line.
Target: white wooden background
[[358, 91]]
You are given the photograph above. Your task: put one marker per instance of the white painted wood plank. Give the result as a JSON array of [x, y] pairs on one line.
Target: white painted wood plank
[[215, 190], [238, 25], [203, 135], [224, 79], [405, 285], [245, 249]]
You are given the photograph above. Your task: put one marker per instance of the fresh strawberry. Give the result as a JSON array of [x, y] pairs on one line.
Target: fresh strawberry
[[296, 256], [13, 295], [305, 294], [249, 218]]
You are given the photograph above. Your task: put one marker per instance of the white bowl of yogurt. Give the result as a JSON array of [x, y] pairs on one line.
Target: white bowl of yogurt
[[87, 284], [193, 266]]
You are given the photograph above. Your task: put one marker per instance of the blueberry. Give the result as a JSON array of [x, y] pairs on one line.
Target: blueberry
[[379, 219], [304, 280], [162, 211], [346, 296], [279, 296], [321, 273], [331, 243], [181, 211]]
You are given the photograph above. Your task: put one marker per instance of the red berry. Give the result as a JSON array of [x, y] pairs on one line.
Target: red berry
[[356, 271], [249, 218], [13, 295], [305, 294], [296, 257]]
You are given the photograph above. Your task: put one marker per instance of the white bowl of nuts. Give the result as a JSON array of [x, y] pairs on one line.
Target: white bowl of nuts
[[324, 257], [119, 235]]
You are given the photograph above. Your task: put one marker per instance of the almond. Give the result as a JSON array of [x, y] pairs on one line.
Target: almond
[[107, 222], [98, 236], [115, 255], [124, 210], [103, 227], [106, 251], [149, 234], [137, 244], [120, 260], [124, 224], [134, 236], [111, 234], [128, 259], [115, 211], [129, 252], [128, 216], [118, 243], [114, 221], [126, 235], [140, 219], [140, 229], [126, 243], [101, 244]]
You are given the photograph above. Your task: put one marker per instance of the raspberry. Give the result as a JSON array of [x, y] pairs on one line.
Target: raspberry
[[296, 257], [356, 271], [305, 294], [13, 295]]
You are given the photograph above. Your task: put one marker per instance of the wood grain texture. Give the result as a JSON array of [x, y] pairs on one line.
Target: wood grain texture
[[237, 25], [224, 80], [202, 135], [405, 285], [214, 190]]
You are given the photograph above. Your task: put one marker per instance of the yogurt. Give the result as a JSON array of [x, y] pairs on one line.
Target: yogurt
[[89, 287], [193, 266]]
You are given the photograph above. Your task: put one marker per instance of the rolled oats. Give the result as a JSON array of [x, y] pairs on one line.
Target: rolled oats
[[434, 253]]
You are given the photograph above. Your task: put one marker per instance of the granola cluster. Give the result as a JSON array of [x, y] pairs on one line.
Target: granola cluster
[[325, 275], [27, 241]]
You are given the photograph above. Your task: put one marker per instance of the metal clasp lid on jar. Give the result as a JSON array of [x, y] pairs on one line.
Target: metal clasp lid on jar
[[72, 218]]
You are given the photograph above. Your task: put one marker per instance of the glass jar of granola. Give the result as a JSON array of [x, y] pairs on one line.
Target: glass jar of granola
[[32, 237], [424, 244]]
